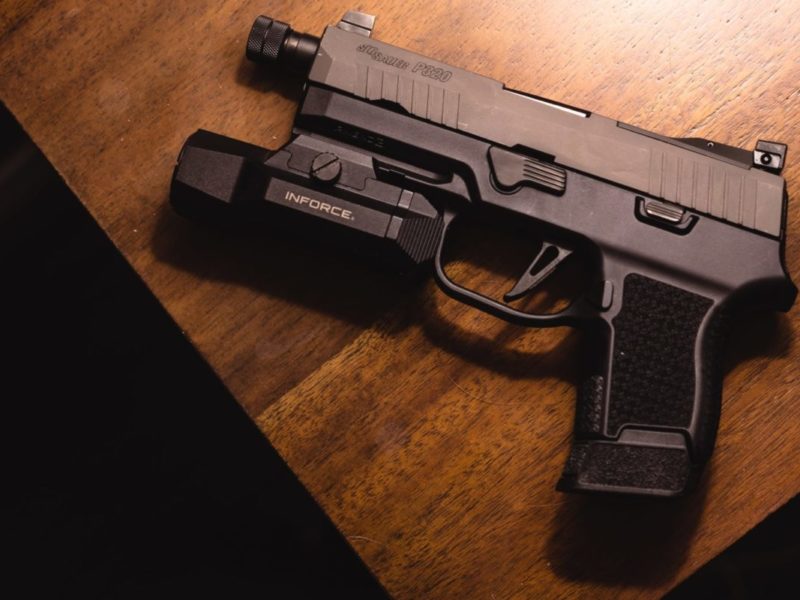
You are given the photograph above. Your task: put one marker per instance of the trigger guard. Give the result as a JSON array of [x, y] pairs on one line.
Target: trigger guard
[[578, 312]]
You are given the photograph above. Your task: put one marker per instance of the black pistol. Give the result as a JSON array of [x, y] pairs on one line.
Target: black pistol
[[390, 148]]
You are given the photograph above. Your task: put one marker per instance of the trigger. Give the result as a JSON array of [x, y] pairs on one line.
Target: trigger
[[542, 266]]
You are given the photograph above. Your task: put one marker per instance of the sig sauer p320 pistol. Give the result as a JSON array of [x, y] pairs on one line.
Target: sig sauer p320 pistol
[[390, 148]]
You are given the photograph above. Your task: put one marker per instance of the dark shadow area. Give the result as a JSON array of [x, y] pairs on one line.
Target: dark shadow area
[[272, 261], [763, 564], [495, 353], [261, 78], [759, 334], [626, 541], [133, 472]]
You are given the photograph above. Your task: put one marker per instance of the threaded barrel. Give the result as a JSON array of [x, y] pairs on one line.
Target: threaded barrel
[[274, 43]]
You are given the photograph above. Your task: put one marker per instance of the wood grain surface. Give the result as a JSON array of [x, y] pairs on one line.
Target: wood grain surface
[[432, 434]]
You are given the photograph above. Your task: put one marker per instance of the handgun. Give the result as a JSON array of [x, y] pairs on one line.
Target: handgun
[[390, 148]]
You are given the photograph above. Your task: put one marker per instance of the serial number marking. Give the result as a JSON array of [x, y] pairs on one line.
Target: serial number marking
[[362, 137], [313, 203]]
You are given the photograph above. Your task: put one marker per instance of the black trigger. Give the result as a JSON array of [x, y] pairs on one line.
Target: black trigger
[[543, 265]]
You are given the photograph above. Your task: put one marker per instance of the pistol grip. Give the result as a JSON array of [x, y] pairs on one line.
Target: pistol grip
[[646, 419]]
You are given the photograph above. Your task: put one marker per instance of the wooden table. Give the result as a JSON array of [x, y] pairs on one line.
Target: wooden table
[[431, 434]]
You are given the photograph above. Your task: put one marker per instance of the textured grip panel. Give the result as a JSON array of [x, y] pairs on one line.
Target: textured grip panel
[[653, 377], [614, 465], [589, 411], [635, 432]]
